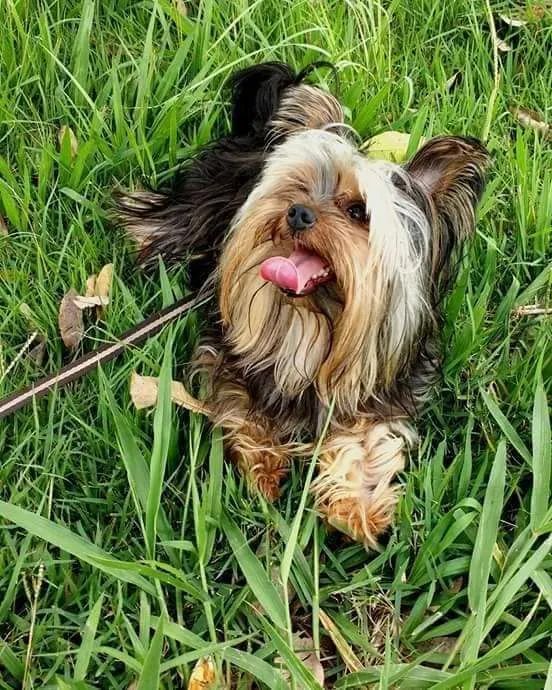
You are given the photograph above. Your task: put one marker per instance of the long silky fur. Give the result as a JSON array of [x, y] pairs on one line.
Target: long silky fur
[[374, 349], [188, 220]]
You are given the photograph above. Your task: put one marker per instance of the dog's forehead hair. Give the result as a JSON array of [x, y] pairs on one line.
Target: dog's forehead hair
[[322, 161]]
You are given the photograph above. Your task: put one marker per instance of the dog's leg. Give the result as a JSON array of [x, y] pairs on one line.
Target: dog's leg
[[251, 440], [354, 489], [259, 456]]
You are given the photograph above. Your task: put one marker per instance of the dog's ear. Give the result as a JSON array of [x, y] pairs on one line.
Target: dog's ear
[[256, 93], [451, 170]]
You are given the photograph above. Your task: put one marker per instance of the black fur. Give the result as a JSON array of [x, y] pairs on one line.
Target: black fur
[[189, 220]]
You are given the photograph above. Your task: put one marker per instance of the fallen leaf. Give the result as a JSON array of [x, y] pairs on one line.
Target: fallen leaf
[[70, 321], [530, 119], [83, 302], [503, 46], [303, 646], [90, 286], [181, 8], [453, 82], [391, 146], [103, 282], [64, 131], [102, 287], [144, 389], [204, 675], [512, 21], [3, 227], [36, 353]]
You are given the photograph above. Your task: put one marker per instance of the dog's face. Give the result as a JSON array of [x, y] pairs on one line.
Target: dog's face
[[332, 267]]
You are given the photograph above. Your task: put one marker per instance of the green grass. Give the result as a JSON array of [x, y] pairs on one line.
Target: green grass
[[153, 552]]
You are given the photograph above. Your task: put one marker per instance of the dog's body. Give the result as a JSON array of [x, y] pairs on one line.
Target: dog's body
[[330, 269]]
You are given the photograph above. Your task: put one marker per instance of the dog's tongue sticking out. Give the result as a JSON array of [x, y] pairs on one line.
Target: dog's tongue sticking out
[[300, 273]]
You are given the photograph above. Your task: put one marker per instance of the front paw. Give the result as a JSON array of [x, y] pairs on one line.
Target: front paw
[[361, 516], [264, 470]]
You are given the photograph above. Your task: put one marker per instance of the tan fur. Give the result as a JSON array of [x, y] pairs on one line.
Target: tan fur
[[360, 351], [354, 489]]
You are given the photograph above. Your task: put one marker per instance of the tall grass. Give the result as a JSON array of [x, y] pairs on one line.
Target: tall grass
[[154, 553]]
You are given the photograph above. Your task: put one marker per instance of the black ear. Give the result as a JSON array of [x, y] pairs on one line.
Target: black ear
[[451, 170], [256, 93]]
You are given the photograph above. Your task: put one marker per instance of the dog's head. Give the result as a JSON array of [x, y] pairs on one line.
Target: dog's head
[[188, 220], [334, 265]]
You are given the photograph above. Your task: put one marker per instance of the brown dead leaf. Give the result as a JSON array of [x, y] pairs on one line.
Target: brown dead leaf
[[144, 389], [83, 302], [104, 279], [503, 46], [70, 321], [90, 286], [3, 227], [204, 675], [530, 119], [102, 287], [303, 646], [37, 353], [443, 645], [512, 21], [181, 8], [64, 131]]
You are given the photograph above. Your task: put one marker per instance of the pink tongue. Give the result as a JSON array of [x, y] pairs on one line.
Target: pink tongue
[[294, 272]]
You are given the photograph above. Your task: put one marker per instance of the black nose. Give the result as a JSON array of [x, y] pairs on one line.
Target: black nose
[[300, 217]]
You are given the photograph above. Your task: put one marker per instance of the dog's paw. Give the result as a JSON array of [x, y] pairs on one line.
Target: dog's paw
[[264, 470], [362, 517]]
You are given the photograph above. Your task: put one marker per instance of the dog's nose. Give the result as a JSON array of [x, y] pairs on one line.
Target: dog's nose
[[300, 217]]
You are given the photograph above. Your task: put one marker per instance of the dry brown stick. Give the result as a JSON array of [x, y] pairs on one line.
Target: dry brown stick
[[105, 353]]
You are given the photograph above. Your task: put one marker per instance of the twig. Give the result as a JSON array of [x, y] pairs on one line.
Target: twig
[[532, 310], [106, 353]]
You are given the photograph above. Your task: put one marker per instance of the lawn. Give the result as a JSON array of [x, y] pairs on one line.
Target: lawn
[[128, 548]]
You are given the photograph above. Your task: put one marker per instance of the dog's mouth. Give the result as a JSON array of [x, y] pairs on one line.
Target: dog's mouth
[[298, 274]]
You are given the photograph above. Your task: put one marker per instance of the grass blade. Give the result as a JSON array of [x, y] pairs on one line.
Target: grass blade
[[257, 667], [10, 661], [506, 428], [70, 542], [161, 443], [149, 677], [480, 565], [540, 495], [85, 650], [254, 573]]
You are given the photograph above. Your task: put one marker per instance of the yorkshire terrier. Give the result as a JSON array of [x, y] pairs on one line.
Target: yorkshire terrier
[[330, 270]]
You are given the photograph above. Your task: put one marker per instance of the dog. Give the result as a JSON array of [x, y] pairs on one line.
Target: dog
[[330, 269]]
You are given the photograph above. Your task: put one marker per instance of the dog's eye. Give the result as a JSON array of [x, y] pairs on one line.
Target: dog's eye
[[357, 211]]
